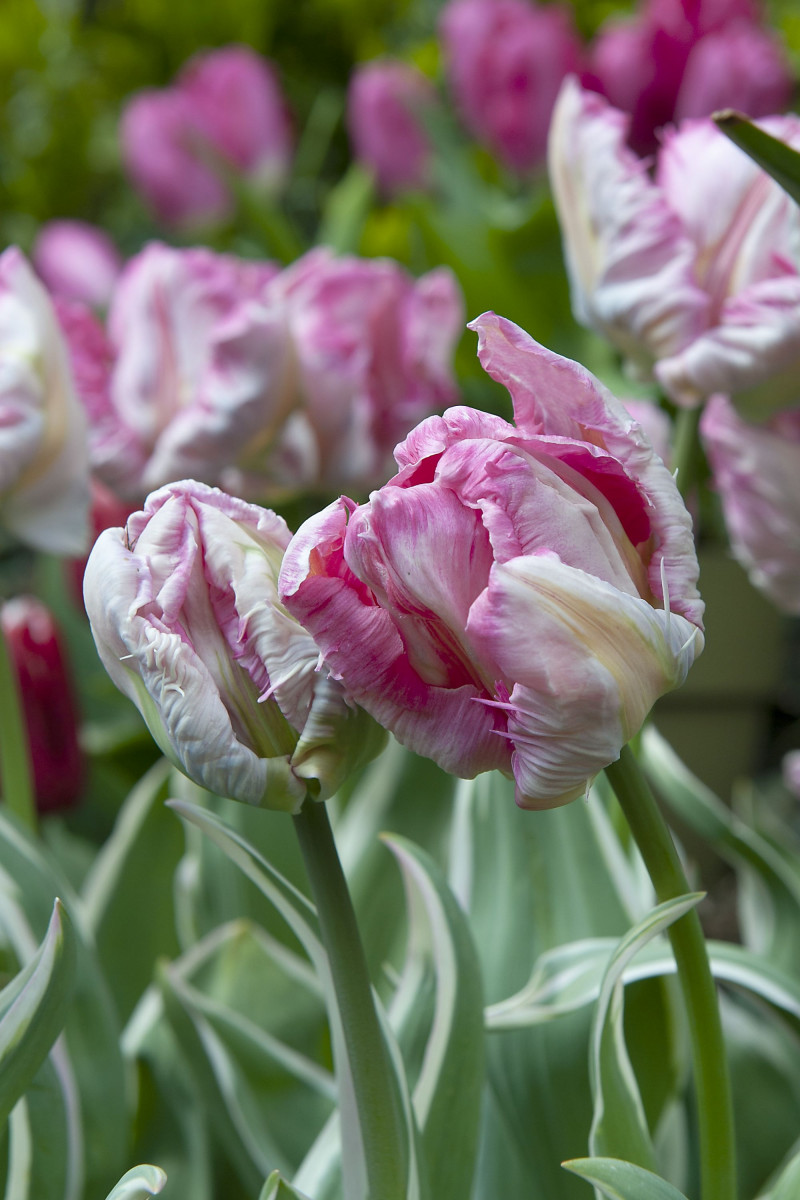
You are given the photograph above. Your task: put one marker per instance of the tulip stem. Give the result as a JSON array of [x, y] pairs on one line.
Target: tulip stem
[[15, 765], [711, 1076], [685, 449], [371, 1070]]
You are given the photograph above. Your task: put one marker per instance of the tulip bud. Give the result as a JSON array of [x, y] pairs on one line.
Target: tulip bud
[[184, 610], [385, 103], [225, 105], [516, 597], [506, 60], [77, 261], [48, 702], [44, 467]]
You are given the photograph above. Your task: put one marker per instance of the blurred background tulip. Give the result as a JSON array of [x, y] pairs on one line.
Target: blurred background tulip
[[44, 456], [505, 61], [225, 112], [49, 703], [386, 105], [687, 58], [77, 261]]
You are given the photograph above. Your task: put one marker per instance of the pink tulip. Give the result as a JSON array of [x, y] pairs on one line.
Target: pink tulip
[[194, 368], [374, 354], [48, 702], [506, 60], [225, 111], [385, 103], [77, 261], [682, 58], [184, 610], [258, 380], [44, 467], [516, 597], [756, 471], [693, 275]]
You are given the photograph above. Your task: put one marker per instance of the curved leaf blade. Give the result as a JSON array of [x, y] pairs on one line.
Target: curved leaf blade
[[772, 155], [138, 1183], [620, 1180], [619, 1127], [447, 1094], [33, 1009]]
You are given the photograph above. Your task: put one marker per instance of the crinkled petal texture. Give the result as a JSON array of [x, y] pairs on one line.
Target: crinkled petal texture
[[199, 369], [695, 274], [183, 607], [757, 473], [630, 262], [516, 597], [44, 457]]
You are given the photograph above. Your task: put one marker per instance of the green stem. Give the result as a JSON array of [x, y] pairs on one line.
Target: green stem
[[370, 1067], [712, 1082], [684, 454], [15, 765]]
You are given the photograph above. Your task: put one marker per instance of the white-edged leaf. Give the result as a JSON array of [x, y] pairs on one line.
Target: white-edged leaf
[[620, 1180], [619, 1127], [278, 1188], [777, 931], [447, 1093], [787, 1186], [570, 979], [138, 1183], [91, 1136], [33, 1008], [294, 907]]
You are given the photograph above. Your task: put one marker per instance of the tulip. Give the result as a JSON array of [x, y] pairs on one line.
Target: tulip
[[686, 58], [374, 351], [184, 611], [506, 60], [756, 469], [694, 275], [225, 112], [77, 261], [48, 701], [193, 369], [44, 472], [384, 105], [516, 597]]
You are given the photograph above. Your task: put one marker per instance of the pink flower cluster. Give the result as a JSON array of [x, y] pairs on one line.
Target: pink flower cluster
[[261, 380], [694, 274], [517, 596], [687, 58], [224, 114]]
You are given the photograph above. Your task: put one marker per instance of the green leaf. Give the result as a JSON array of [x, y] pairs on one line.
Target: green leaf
[[295, 908], [145, 844], [788, 1184], [620, 1180], [138, 1183], [447, 1093], [346, 210], [33, 1009], [777, 936], [94, 1136], [277, 1188], [577, 970], [619, 1127], [772, 155], [529, 883]]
